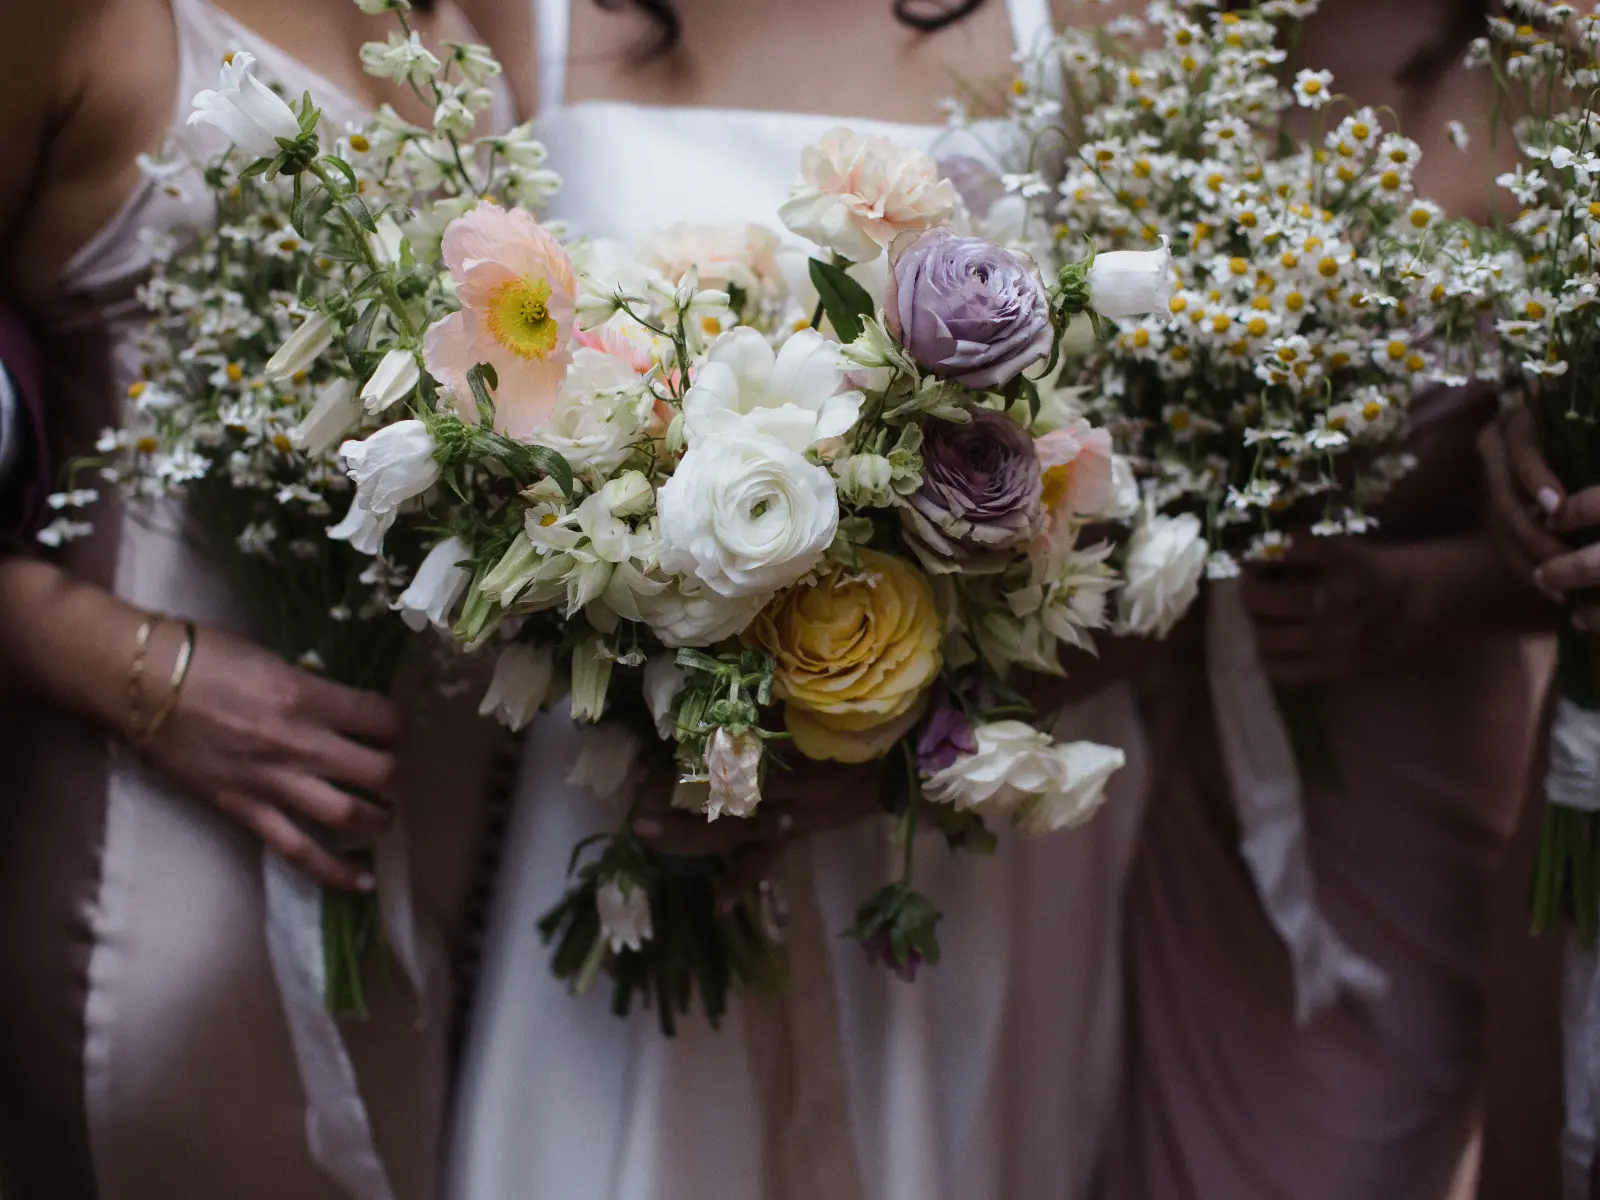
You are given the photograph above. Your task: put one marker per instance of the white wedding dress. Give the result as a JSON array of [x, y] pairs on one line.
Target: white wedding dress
[[989, 1078]]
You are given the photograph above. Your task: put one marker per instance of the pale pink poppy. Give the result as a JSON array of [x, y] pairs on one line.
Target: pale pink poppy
[[1076, 467], [516, 287]]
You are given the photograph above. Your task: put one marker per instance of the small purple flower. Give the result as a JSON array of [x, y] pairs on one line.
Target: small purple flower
[[979, 497], [946, 736], [967, 309], [880, 953]]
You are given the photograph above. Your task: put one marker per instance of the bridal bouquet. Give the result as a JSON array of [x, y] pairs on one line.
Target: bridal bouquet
[[1319, 293], [291, 323], [1546, 310]]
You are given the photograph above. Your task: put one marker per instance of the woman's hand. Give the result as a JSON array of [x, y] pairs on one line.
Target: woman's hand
[[812, 797], [1330, 605], [272, 746]]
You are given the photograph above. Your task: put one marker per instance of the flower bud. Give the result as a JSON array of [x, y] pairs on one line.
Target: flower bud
[[301, 348], [1130, 283], [396, 375]]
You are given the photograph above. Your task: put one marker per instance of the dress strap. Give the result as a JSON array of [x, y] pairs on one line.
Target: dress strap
[[552, 24], [1031, 23]]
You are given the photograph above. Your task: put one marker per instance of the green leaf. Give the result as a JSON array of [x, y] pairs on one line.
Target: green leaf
[[355, 341], [477, 380], [259, 167], [552, 464], [307, 215], [844, 300], [356, 208]]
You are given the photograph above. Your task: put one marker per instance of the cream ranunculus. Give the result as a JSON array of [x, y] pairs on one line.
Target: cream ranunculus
[[301, 348], [855, 657], [521, 681], [250, 113], [436, 587], [745, 514], [1161, 575], [1020, 772], [858, 193], [687, 613], [796, 394], [733, 765]]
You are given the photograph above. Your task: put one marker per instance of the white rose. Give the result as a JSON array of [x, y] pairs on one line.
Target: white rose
[[1022, 772], [250, 113], [745, 514], [858, 193], [1161, 575], [686, 613], [396, 375], [521, 681], [733, 762], [606, 755], [600, 414], [436, 587], [1086, 767], [1129, 283], [301, 348], [624, 909], [392, 465], [663, 680], [336, 412], [797, 394]]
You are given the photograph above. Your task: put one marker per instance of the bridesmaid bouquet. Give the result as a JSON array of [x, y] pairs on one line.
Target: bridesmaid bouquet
[[1546, 310], [288, 325]]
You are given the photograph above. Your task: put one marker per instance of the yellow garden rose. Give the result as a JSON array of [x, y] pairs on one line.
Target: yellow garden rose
[[855, 655]]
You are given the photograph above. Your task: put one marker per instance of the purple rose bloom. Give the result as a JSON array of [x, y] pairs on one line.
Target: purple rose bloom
[[967, 309], [946, 736], [979, 497]]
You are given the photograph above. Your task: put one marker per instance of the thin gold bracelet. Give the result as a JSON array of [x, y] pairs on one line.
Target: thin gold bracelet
[[180, 672], [141, 645]]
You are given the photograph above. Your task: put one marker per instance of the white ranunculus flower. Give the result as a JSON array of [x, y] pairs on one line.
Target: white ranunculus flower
[[663, 680], [624, 909], [858, 193], [396, 375], [1086, 767], [600, 414], [1130, 283], [1161, 576], [606, 754], [521, 681], [686, 613], [392, 465], [250, 113], [403, 59], [363, 528], [301, 348], [436, 587], [733, 763], [336, 412], [796, 394]]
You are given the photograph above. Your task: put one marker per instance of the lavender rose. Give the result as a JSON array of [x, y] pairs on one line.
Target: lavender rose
[[979, 496], [967, 309]]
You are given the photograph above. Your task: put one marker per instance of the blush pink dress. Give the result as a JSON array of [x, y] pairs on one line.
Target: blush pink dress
[[1225, 1098]]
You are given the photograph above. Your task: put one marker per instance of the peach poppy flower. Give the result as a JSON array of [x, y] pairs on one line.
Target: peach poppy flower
[[516, 288], [1076, 465]]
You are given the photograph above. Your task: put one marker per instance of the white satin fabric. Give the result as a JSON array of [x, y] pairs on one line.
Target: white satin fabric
[[989, 1078]]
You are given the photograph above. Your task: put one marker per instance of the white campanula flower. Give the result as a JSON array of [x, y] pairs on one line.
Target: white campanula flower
[[437, 586], [250, 113], [393, 380], [858, 193], [606, 754], [733, 762], [624, 909], [403, 59], [363, 528], [746, 514], [591, 679], [301, 348], [336, 412], [520, 684], [663, 680], [1166, 558], [1129, 283], [796, 395], [392, 466]]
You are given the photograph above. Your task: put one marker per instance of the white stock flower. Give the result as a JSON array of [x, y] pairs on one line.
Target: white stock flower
[[733, 763], [1161, 576], [686, 613], [336, 412], [392, 465], [521, 681], [301, 348], [436, 587], [624, 909], [745, 514], [1020, 771], [1129, 283], [606, 755], [247, 111], [403, 59], [858, 193], [396, 375], [663, 680], [796, 394]]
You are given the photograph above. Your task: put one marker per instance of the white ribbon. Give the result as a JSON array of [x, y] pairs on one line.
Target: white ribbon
[[1265, 781], [338, 1130], [1572, 779]]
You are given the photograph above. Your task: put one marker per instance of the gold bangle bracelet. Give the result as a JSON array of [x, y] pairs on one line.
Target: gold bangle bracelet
[[180, 672], [141, 645]]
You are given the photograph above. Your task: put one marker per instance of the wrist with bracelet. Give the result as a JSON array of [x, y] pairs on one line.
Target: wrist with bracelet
[[142, 730]]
